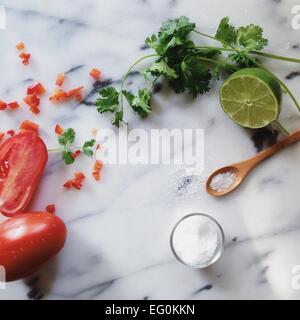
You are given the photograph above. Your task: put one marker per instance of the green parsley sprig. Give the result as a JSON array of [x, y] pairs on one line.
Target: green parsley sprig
[[190, 67], [66, 141]]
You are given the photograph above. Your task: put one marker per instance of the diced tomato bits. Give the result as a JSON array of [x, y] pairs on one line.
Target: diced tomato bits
[[33, 101], [3, 105], [98, 146], [59, 130], [79, 97], [76, 154], [58, 95], [34, 110], [28, 125], [98, 165], [60, 79], [68, 184], [76, 182], [50, 208], [10, 132], [95, 73], [96, 175], [13, 105], [2, 134], [25, 57], [74, 92], [37, 89], [20, 46]]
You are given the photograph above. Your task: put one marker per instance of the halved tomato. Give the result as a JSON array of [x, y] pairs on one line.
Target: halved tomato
[[23, 159]]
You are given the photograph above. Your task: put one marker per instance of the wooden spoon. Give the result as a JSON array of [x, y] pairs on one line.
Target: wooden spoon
[[241, 169]]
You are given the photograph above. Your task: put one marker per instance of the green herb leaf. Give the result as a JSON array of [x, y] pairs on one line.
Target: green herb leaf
[[159, 68], [226, 32], [117, 118], [139, 103], [250, 37], [67, 157], [86, 149], [67, 137], [108, 100]]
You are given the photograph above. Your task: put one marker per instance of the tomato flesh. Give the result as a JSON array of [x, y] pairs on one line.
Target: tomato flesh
[[23, 158], [29, 240]]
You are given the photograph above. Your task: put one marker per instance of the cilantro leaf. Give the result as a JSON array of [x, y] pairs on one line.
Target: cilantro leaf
[[86, 148], [172, 32], [226, 32], [250, 38], [160, 68], [139, 103], [67, 137], [67, 157], [196, 76], [117, 118], [108, 100]]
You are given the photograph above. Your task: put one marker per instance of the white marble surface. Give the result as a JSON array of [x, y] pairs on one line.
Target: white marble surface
[[118, 229]]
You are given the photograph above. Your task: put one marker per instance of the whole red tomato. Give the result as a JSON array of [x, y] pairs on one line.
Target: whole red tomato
[[23, 159], [29, 240]]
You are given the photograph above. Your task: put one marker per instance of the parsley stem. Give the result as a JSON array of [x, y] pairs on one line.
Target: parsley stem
[[216, 48], [281, 127], [279, 81], [128, 72], [274, 56], [56, 150], [220, 63], [226, 45]]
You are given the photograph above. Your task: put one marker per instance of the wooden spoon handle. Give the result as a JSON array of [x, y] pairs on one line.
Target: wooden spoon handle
[[292, 138]]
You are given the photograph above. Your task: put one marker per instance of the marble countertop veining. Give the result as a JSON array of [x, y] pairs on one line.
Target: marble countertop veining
[[118, 230]]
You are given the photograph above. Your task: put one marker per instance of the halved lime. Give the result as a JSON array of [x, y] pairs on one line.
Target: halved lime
[[251, 97]]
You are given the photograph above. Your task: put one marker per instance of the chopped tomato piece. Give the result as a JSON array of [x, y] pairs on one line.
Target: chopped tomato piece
[[98, 165], [32, 100], [34, 110], [74, 92], [37, 89], [28, 125], [76, 154], [58, 95], [59, 130], [95, 73], [10, 132], [2, 134], [76, 182], [24, 56], [3, 105], [68, 184], [60, 79], [13, 105], [79, 97], [98, 146], [96, 175], [50, 208], [20, 46]]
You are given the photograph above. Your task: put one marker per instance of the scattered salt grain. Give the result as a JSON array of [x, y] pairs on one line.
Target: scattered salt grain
[[222, 181]]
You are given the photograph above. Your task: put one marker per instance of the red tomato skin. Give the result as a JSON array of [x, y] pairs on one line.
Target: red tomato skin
[[27, 153], [29, 240]]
